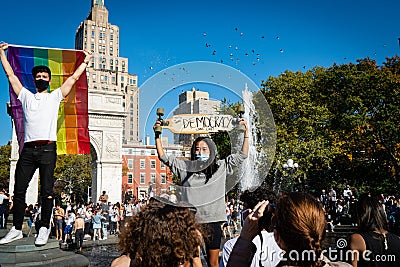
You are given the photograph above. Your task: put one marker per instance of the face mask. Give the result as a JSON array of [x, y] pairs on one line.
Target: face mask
[[41, 85], [202, 157]]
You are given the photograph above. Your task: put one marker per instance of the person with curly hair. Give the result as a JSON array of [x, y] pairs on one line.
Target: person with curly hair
[[162, 234], [299, 226]]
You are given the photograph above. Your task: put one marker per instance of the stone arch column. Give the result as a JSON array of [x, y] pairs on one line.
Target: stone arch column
[[33, 189], [107, 164], [106, 116]]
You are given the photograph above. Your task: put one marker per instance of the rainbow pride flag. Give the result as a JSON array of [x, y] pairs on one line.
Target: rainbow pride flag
[[73, 120]]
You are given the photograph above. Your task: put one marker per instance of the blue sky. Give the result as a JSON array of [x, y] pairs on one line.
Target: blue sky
[[154, 35]]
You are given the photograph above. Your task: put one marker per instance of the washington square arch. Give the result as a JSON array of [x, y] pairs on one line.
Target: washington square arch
[[106, 116]]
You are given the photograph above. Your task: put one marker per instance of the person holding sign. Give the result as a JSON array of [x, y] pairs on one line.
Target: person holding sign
[[203, 180]]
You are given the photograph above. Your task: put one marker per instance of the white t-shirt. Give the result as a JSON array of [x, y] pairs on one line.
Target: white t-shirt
[[71, 219], [347, 193], [40, 114], [129, 210], [271, 252], [2, 197]]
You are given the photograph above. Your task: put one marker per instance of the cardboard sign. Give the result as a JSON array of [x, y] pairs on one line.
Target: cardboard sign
[[199, 123]]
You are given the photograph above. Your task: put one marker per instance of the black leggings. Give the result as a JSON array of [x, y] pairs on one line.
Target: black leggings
[[79, 234], [88, 225]]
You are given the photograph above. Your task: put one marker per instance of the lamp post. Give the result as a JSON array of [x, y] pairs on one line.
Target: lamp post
[[290, 167]]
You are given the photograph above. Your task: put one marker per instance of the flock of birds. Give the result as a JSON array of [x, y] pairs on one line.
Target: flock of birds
[[236, 54], [233, 54]]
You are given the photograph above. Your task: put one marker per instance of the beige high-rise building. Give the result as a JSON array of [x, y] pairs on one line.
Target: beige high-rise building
[[108, 72], [194, 102]]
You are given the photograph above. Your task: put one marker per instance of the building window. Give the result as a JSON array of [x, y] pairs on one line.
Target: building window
[[142, 164], [152, 164], [130, 163], [163, 178], [142, 178], [130, 178], [162, 165], [153, 152], [142, 152], [153, 178]]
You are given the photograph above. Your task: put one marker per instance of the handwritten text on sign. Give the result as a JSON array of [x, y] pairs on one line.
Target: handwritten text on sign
[[201, 123]]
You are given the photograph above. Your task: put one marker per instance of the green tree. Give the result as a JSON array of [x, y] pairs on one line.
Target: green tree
[[365, 100], [341, 124], [5, 154], [73, 174], [302, 132]]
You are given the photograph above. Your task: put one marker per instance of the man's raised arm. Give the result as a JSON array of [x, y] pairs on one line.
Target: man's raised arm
[[12, 78], [69, 83]]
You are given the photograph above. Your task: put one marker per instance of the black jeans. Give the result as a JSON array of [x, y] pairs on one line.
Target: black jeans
[[42, 157]]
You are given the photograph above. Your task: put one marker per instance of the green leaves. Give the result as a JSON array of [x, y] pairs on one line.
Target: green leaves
[[5, 154], [74, 174], [341, 124]]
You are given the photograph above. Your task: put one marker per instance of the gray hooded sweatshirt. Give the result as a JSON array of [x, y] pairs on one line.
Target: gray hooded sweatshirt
[[208, 198]]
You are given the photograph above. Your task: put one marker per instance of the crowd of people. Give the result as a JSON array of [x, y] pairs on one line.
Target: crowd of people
[[90, 221], [341, 208], [276, 230], [5, 207], [265, 227]]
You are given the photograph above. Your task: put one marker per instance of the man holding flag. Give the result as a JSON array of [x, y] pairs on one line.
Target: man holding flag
[[40, 113]]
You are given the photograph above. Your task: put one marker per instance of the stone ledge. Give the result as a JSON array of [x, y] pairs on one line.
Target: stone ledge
[[26, 244], [23, 252]]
